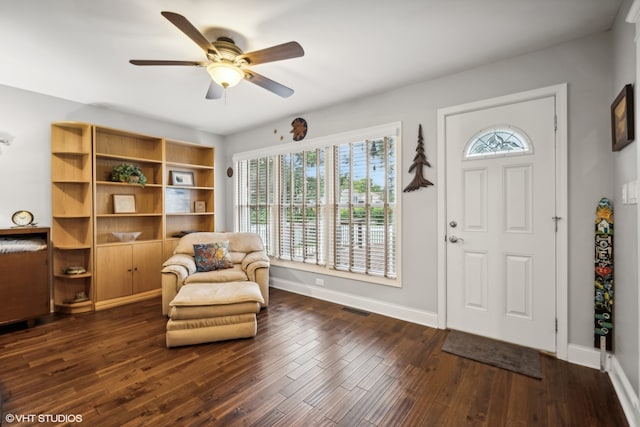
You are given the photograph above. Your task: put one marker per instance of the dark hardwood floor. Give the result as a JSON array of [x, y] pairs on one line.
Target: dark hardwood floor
[[312, 363]]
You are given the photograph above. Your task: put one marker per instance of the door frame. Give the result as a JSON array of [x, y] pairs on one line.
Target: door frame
[[561, 170]]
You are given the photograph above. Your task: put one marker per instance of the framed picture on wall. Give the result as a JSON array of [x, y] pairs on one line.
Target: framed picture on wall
[[622, 126]]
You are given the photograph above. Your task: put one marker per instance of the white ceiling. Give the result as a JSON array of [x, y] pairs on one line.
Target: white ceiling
[[79, 49]]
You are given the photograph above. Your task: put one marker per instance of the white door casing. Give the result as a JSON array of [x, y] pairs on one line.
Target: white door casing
[[503, 277]]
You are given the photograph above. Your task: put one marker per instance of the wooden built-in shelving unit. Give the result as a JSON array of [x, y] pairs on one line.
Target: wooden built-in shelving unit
[[84, 217]]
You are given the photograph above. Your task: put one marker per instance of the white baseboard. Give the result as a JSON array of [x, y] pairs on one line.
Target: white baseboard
[[590, 357], [585, 356], [626, 395], [396, 311]]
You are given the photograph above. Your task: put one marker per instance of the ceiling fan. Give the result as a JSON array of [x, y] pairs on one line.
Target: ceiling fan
[[226, 63]]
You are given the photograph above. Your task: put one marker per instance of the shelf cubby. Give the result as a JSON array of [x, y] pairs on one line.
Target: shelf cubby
[[127, 145], [181, 153], [71, 167], [70, 137], [72, 199], [150, 227], [148, 200], [70, 257]]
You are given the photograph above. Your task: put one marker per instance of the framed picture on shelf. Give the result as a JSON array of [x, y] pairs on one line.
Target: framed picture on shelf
[[199, 206], [124, 203], [177, 201], [182, 178], [622, 127]]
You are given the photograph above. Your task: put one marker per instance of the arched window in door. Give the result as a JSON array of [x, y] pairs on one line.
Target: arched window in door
[[502, 141]]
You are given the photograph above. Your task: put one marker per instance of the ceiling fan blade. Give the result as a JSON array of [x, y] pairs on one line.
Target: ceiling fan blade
[[163, 62], [274, 53], [215, 91], [267, 84], [190, 31]]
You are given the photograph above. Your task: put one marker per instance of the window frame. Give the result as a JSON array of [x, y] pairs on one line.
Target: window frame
[[328, 142]]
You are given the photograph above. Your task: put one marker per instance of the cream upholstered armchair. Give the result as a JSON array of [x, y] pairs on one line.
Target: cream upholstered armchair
[[248, 257]]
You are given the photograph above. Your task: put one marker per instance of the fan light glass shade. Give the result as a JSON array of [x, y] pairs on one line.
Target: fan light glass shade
[[226, 75]]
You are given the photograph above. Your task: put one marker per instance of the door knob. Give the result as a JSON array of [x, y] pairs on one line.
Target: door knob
[[455, 239]]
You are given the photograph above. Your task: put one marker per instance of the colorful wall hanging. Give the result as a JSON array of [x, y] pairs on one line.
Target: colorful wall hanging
[[604, 274]]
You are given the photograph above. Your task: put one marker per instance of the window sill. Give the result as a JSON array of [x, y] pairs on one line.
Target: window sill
[[319, 269]]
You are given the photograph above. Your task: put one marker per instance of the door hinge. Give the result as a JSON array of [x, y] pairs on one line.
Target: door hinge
[[556, 219], [555, 123], [556, 325]]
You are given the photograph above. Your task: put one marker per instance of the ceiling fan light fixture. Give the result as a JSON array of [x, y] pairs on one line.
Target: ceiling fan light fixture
[[226, 75], [226, 62]]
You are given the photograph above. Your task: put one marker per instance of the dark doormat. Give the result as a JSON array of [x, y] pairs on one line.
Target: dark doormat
[[504, 355]]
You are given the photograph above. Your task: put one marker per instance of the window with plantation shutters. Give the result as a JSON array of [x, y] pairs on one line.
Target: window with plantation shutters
[[255, 196], [328, 203], [364, 209], [302, 206]]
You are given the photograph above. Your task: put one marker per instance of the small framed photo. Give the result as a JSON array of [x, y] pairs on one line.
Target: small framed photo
[[199, 206], [622, 127], [182, 178], [124, 203]]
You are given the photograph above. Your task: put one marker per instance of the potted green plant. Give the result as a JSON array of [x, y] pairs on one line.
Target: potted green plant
[[126, 172]]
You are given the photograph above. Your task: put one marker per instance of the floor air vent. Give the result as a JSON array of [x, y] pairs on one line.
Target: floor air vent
[[356, 311]]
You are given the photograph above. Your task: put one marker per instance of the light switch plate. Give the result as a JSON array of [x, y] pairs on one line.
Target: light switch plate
[[632, 192]]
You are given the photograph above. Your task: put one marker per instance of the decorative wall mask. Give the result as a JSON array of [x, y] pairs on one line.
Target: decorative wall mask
[[299, 128]]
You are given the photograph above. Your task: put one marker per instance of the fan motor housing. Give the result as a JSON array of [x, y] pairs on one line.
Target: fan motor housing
[[227, 48]]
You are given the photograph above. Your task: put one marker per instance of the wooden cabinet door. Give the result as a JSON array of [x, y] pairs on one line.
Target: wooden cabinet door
[[24, 285], [113, 272], [147, 263], [38, 297]]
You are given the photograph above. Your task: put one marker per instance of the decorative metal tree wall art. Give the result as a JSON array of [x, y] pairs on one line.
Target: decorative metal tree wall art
[[419, 161]]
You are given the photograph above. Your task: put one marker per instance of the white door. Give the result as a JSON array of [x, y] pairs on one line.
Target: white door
[[500, 209]]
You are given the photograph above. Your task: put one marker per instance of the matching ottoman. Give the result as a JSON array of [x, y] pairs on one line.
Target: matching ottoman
[[208, 312]]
